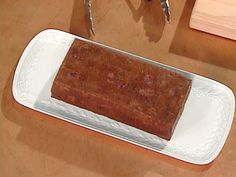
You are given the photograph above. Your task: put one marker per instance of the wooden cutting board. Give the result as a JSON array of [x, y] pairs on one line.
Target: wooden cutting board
[[215, 16]]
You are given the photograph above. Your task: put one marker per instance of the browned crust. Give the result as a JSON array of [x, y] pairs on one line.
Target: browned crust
[[129, 91]]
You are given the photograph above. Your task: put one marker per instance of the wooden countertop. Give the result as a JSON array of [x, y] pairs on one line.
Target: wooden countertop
[[33, 144]]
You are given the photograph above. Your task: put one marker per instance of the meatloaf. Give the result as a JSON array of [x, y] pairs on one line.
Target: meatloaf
[[124, 89]]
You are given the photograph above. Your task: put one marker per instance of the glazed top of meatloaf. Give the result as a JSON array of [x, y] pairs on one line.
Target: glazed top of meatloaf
[[142, 87]]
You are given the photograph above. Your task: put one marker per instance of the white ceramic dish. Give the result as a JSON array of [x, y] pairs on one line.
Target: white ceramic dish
[[200, 133]]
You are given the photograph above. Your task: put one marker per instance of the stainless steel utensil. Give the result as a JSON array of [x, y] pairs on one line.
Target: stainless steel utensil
[[88, 6]]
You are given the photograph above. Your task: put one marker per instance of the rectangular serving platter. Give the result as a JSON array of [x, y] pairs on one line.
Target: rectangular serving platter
[[199, 135]]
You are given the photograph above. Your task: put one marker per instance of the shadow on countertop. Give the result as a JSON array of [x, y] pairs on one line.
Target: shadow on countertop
[[84, 148], [150, 12], [79, 24], [200, 45]]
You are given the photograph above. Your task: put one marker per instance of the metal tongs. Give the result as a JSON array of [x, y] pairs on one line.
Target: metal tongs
[[88, 6], [166, 9]]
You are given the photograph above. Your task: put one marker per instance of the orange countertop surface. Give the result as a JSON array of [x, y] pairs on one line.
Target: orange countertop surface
[[34, 144]]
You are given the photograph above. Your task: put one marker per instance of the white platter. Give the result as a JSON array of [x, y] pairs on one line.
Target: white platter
[[200, 133]]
